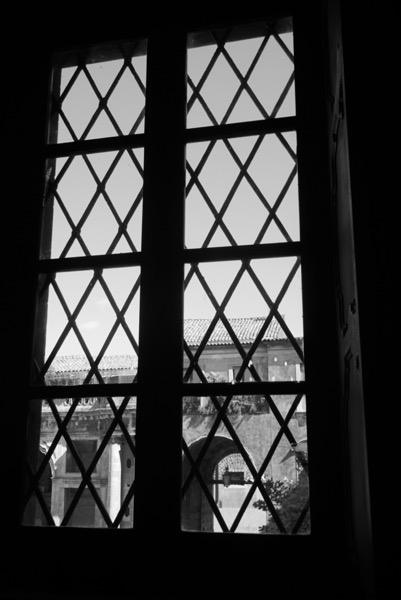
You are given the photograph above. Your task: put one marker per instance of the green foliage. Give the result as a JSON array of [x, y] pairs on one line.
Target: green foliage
[[290, 500], [191, 405], [277, 491]]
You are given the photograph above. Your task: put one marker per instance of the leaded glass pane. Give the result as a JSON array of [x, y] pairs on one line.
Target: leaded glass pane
[[98, 92], [84, 472], [81, 463], [242, 191], [91, 321], [245, 466], [243, 316], [240, 74], [245, 454], [93, 204]]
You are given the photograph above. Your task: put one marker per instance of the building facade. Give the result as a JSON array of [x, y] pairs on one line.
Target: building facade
[[86, 433]]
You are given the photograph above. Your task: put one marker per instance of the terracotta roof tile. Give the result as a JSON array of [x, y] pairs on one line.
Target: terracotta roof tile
[[74, 363], [245, 328]]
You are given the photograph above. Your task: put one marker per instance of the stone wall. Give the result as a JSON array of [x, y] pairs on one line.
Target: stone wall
[[251, 418]]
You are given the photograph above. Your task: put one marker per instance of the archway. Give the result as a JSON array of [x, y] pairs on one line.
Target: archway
[[196, 509]]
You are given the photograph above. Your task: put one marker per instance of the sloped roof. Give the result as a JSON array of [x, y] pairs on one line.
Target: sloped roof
[[78, 362], [245, 328]]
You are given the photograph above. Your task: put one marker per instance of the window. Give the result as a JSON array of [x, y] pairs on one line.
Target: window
[[157, 378], [86, 450], [84, 513], [241, 262], [87, 316]]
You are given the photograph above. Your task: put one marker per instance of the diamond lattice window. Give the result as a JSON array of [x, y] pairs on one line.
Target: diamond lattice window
[[240, 369], [88, 311], [245, 310]]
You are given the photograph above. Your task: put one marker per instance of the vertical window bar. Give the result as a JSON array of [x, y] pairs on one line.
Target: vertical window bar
[[161, 320]]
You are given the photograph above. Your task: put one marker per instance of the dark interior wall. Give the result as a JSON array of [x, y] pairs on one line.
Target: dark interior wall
[[369, 43], [370, 76]]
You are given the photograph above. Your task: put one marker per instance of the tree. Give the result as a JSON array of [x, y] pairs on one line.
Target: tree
[[290, 499]]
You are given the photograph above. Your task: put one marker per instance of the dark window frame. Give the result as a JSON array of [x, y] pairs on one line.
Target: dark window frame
[[198, 546]]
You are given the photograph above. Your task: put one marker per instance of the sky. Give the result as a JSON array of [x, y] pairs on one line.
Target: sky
[[244, 217]]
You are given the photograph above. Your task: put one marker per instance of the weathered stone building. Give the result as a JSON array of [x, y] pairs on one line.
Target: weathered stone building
[[252, 417]]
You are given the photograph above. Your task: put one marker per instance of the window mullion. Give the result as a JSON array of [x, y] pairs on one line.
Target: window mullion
[[161, 346]]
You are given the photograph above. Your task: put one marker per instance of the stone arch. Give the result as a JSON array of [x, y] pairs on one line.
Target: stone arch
[[196, 512]]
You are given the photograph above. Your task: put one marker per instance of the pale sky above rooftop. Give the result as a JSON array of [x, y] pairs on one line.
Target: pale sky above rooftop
[[244, 218]]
